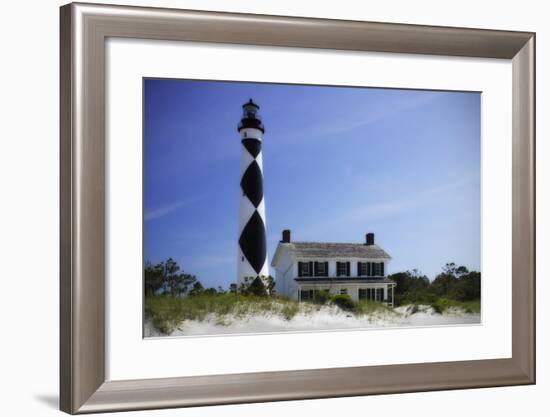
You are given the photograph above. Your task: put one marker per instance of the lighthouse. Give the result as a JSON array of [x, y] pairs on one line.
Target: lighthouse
[[252, 261]]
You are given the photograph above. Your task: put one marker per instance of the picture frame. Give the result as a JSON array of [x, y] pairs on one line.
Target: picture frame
[[84, 29]]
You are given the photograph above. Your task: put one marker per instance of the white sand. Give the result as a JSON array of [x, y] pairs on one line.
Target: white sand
[[327, 318]]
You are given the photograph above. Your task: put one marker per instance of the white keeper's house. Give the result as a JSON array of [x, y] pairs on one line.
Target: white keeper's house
[[358, 269]]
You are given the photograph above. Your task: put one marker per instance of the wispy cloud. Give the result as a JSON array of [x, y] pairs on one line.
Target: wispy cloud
[[385, 209], [395, 206], [359, 120], [167, 209]]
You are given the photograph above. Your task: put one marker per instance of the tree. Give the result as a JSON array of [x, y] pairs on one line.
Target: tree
[[260, 286], [270, 285], [454, 282], [166, 277], [411, 286], [468, 287], [196, 289], [154, 277], [176, 283], [255, 287], [449, 282]]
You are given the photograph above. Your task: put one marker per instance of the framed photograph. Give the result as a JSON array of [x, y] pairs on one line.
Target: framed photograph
[[405, 162], [295, 208]]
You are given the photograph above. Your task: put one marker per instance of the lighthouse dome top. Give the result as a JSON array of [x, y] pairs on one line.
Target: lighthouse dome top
[[251, 105], [250, 118]]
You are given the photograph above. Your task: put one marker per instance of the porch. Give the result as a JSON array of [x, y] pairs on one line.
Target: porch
[[381, 291]]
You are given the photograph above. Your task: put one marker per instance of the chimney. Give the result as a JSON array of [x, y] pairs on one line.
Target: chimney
[[286, 236], [370, 239]]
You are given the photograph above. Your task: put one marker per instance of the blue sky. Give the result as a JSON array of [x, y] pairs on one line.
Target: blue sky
[[338, 163]]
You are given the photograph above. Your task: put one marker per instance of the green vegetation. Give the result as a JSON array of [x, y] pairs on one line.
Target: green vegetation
[[166, 278], [455, 287], [444, 304], [368, 307], [343, 301], [167, 312], [172, 297]]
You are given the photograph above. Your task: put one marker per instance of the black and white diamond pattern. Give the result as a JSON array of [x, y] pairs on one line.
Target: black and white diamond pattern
[[252, 184], [252, 238]]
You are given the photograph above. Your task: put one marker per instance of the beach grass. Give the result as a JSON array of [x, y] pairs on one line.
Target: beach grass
[[442, 305], [167, 313], [368, 307]]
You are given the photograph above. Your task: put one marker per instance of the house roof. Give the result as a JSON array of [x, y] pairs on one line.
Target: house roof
[[333, 250]]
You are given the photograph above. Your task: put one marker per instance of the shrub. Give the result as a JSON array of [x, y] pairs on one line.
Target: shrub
[[260, 286], [256, 288], [343, 301], [322, 297]]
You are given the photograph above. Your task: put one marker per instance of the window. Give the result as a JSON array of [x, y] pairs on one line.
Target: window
[[305, 269], [309, 295], [321, 269], [378, 270], [371, 294], [362, 269], [343, 291], [342, 269]]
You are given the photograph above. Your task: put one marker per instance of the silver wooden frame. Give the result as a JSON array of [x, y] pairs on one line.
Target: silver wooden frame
[[84, 30]]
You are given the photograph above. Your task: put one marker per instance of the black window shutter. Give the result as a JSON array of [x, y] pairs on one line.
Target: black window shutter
[[315, 269], [337, 268], [368, 269], [347, 268], [358, 269], [382, 268], [299, 269], [326, 269], [310, 268]]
